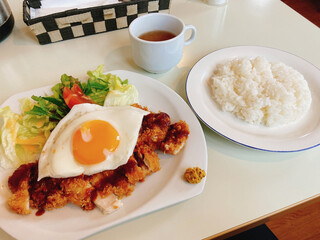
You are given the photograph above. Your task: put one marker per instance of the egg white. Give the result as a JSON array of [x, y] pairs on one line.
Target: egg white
[[56, 159]]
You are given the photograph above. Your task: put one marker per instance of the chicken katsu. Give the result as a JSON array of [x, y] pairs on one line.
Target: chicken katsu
[[105, 189]]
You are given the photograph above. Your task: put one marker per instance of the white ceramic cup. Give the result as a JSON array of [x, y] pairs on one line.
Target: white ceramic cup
[[159, 56]]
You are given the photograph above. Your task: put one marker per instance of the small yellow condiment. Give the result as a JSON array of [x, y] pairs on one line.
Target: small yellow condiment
[[194, 175]]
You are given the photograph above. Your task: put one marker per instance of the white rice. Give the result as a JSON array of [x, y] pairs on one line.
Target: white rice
[[261, 92]]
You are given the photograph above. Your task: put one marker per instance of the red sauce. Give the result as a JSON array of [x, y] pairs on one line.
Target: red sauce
[[40, 212], [111, 179], [129, 167], [94, 195], [21, 174]]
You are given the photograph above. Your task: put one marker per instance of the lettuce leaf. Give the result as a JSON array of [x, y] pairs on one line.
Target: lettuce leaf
[[121, 93], [8, 131], [22, 136], [97, 87]]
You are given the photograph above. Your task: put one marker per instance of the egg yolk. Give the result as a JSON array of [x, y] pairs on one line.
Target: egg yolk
[[94, 141]]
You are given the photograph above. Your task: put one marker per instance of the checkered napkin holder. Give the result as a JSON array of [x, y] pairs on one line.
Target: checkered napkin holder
[[88, 21]]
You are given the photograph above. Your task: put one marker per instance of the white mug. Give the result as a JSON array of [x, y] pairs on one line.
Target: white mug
[[158, 56]]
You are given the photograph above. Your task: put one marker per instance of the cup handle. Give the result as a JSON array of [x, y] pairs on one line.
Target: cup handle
[[193, 34]]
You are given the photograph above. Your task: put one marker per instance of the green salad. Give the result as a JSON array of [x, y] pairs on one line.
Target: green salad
[[22, 136]]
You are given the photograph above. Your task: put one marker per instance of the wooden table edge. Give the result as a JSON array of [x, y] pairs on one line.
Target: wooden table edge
[[264, 219]]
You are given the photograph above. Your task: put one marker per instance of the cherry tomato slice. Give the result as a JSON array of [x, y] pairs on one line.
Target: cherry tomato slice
[[75, 96]]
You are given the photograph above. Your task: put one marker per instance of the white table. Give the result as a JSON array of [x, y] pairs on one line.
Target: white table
[[242, 185]]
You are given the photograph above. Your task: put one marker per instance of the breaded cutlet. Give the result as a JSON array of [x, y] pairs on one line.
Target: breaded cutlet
[[104, 189]]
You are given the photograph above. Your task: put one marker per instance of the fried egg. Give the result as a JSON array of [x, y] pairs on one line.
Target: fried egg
[[90, 139]]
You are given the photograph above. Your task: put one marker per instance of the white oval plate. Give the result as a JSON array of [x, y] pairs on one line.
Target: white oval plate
[[159, 190], [298, 136]]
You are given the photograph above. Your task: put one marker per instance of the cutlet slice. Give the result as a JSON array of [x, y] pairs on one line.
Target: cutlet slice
[[147, 159], [176, 138], [18, 183], [123, 188], [78, 190], [29, 193], [133, 172], [111, 181], [154, 129], [56, 199], [112, 185], [18, 202], [45, 194], [100, 182]]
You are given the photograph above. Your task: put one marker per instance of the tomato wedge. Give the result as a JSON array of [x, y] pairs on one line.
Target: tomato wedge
[[75, 96]]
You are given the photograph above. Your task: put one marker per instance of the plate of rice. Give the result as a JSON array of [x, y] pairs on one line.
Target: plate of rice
[[259, 97]]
